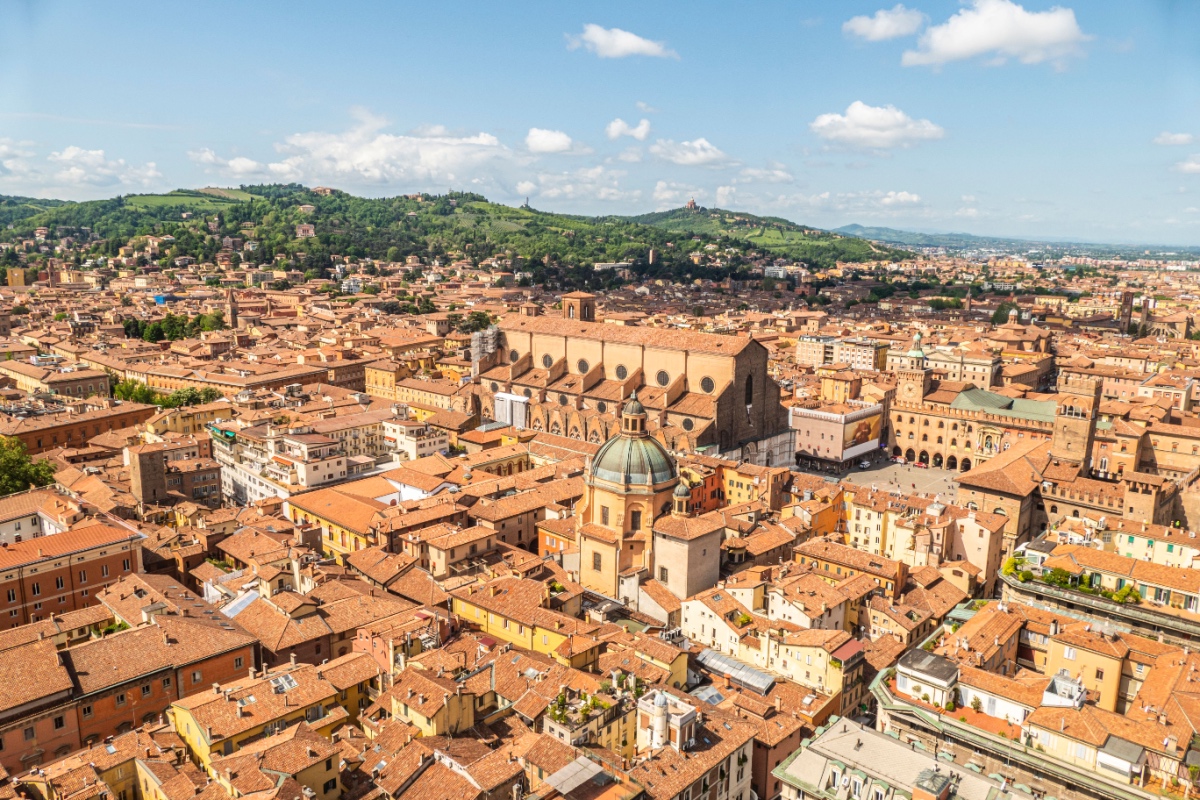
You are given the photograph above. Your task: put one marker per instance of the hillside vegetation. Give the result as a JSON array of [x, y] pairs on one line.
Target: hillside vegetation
[[774, 234], [454, 225]]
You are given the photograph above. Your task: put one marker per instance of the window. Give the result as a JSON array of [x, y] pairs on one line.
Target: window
[[59, 723], [1099, 674], [121, 699], [663, 378], [59, 583], [596, 561], [87, 712], [603, 515], [237, 663], [29, 734], [1069, 653], [330, 785], [36, 589], [83, 576], [635, 520], [12, 595], [196, 676], [662, 574]]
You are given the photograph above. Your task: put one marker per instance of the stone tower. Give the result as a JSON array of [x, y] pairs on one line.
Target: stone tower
[[1078, 402], [915, 378], [580, 306]]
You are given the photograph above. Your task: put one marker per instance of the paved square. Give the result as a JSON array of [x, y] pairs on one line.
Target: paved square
[[886, 476]]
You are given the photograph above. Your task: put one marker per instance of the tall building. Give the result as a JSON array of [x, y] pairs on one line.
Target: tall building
[[629, 482], [702, 392]]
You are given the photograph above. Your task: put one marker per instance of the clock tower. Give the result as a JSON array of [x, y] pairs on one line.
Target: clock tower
[[914, 377]]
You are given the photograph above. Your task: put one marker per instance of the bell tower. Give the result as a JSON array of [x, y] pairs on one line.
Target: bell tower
[[914, 377], [1075, 422], [579, 306]]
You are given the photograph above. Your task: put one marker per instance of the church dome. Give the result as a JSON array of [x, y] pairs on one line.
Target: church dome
[[632, 457], [628, 460], [683, 490]]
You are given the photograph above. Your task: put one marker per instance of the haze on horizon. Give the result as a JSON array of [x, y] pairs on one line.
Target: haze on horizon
[[992, 117]]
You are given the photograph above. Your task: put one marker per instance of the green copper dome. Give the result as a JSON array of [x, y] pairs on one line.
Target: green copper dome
[[916, 351], [632, 457], [628, 459]]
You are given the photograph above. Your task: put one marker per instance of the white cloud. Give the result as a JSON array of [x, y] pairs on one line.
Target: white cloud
[[885, 24], [696, 153], [236, 167], [968, 213], [619, 127], [630, 155], [774, 173], [968, 198], [15, 159], [874, 127], [899, 199], [1191, 166], [1171, 139], [616, 43], [726, 196], [586, 183], [669, 194], [540, 140], [1000, 29], [866, 204], [646, 108], [75, 166], [367, 154]]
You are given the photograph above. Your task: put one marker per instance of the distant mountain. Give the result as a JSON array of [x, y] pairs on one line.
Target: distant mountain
[[914, 239], [967, 241]]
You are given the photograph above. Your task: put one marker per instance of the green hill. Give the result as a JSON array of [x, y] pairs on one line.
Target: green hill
[[773, 234], [452, 225]]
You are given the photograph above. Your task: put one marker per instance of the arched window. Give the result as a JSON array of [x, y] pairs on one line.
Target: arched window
[[1053, 509], [749, 390], [939, 440]]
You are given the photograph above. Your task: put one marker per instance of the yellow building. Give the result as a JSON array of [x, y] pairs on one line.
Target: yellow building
[[189, 419], [437, 706], [381, 378], [298, 753], [218, 723], [528, 614]]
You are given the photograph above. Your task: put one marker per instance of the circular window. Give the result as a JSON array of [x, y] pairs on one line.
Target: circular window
[[547, 361], [622, 373], [495, 386], [562, 399], [513, 355], [707, 385], [662, 377], [602, 407], [583, 366], [527, 392], [688, 424]]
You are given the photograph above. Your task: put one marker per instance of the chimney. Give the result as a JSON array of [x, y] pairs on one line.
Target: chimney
[[292, 659], [216, 688]]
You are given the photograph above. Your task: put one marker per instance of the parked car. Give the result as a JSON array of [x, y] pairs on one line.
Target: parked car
[[920, 464], [864, 464], [898, 460]]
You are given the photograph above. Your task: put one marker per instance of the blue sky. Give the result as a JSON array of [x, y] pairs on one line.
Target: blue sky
[[988, 116]]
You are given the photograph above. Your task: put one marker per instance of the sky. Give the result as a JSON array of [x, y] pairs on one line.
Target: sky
[[992, 117]]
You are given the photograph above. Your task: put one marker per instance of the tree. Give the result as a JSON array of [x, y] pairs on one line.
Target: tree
[[17, 471], [475, 321], [1002, 312]]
